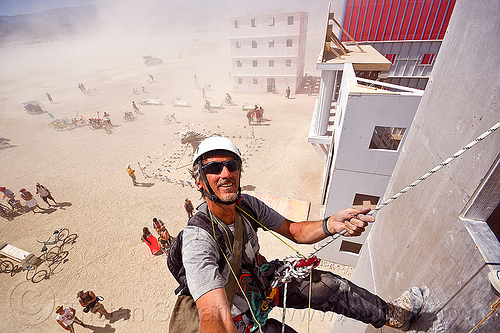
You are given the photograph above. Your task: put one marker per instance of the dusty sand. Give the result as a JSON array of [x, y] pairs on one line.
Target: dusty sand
[[85, 170]]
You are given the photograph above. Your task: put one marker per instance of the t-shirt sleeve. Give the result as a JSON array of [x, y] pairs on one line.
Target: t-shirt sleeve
[[200, 255], [265, 214]]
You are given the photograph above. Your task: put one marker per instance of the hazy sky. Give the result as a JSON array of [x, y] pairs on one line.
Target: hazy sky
[[14, 7]]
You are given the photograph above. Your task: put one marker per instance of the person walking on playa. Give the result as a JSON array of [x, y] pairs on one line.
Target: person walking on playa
[[136, 109], [44, 193], [151, 241], [157, 224], [90, 302], [204, 94], [30, 200], [164, 238], [131, 173], [287, 92], [206, 253], [49, 98], [188, 206], [66, 317]]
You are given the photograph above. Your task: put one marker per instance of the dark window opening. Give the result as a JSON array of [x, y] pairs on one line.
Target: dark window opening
[[352, 247], [387, 137]]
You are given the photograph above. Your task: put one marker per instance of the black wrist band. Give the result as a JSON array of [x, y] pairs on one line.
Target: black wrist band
[[325, 227]]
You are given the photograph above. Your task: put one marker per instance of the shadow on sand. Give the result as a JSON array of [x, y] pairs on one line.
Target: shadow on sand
[[121, 313], [248, 188], [144, 184], [106, 329]]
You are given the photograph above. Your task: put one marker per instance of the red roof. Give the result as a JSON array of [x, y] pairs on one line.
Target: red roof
[[379, 20]]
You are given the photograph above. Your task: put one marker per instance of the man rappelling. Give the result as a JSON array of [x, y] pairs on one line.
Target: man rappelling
[[220, 243]]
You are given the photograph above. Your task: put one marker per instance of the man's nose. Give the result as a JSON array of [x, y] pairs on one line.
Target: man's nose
[[225, 172]]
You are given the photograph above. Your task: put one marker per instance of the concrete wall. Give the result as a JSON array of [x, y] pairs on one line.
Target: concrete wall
[[418, 239]]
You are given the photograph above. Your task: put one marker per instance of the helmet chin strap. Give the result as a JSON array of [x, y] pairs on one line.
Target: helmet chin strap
[[212, 196]]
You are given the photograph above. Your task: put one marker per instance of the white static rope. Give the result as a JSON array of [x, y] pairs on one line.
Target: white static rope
[[416, 182], [285, 289]]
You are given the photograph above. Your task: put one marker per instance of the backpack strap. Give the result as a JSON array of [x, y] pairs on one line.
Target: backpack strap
[[235, 258]]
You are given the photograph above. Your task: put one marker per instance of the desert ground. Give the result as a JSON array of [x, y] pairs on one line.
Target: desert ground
[[85, 169]]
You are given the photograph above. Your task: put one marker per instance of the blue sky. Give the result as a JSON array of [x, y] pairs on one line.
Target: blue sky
[[14, 7]]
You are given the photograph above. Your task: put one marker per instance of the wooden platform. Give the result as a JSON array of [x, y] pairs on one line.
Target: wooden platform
[[292, 209]]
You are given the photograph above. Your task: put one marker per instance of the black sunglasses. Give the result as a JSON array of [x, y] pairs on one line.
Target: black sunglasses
[[216, 167]]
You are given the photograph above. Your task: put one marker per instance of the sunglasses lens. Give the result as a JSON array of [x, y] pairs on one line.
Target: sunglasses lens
[[216, 167], [213, 167], [232, 165]]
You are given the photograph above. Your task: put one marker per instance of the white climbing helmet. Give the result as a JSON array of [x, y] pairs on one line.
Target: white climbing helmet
[[214, 144]]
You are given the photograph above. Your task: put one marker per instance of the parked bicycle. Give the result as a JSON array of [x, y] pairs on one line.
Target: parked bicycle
[[128, 116], [171, 119]]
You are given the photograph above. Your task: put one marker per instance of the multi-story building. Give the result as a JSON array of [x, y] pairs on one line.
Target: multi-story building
[[268, 51], [361, 120], [407, 32], [443, 235]]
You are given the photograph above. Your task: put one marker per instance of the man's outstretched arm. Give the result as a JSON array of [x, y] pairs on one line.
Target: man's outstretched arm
[[352, 220], [214, 312]]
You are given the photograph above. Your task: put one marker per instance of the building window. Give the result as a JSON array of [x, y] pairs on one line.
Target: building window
[[288, 63], [427, 59], [271, 43], [238, 44], [365, 200], [255, 81], [391, 57], [271, 21], [236, 24], [271, 63], [254, 23], [254, 44], [481, 216], [240, 80], [347, 246], [254, 63], [387, 137], [290, 20], [289, 42], [238, 63]]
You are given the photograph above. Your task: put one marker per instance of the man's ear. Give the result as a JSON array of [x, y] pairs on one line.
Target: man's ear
[[199, 184]]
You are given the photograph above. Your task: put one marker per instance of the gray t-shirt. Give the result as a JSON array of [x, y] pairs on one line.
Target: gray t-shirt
[[200, 252]]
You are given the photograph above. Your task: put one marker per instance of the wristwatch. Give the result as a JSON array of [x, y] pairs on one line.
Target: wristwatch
[[325, 227]]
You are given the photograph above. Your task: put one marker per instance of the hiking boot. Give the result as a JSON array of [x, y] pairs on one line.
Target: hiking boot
[[403, 309]]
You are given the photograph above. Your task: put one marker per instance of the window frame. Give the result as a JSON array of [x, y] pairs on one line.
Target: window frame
[[292, 20], [253, 23], [427, 59], [289, 42]]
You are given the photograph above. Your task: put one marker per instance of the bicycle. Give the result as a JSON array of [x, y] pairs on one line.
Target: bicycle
[[171, 119]]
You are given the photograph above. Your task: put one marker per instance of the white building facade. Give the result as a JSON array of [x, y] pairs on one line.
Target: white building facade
[[268, 51], [358, 128]]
